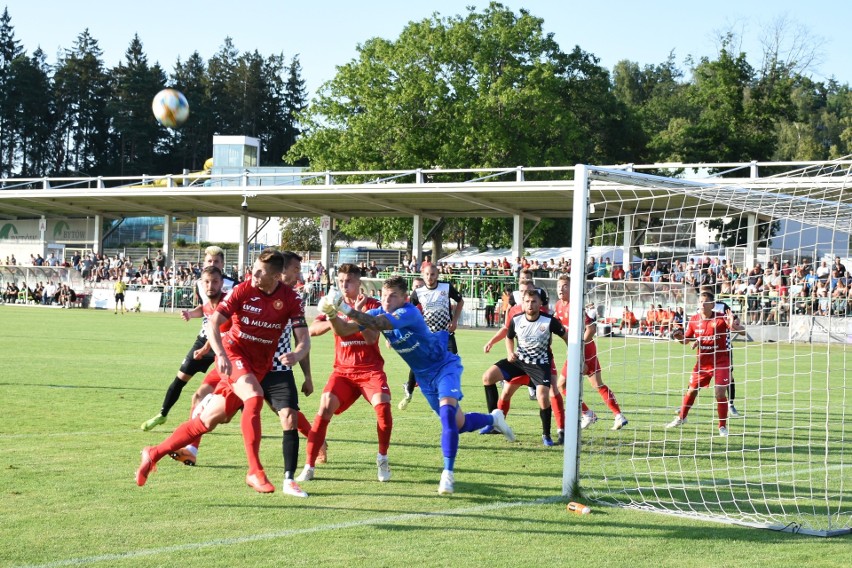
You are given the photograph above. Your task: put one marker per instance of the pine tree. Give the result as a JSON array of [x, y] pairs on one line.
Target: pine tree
[[10, 49]]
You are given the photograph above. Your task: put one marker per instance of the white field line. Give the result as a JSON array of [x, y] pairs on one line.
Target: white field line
[[285, 534]]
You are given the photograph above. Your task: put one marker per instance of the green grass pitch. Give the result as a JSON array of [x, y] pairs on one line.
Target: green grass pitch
[[76, 384]]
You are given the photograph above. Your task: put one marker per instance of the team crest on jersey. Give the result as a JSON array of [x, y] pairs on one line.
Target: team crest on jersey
[[542, 328], [278, 304]]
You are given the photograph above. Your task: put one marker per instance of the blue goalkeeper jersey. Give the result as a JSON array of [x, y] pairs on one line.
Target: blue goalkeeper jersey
[[424, 351]]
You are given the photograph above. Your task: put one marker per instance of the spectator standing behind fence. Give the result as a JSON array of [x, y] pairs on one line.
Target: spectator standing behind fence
[[489, 295]]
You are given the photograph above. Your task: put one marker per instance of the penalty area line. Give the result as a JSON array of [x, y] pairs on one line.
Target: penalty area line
[[287, 533]]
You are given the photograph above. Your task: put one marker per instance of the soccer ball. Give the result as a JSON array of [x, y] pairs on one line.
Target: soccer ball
[[170, 108]]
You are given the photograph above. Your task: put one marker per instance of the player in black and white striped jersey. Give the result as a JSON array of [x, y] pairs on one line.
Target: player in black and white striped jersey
[[532, 330], [441, 305], [213, 256], [516, 297]]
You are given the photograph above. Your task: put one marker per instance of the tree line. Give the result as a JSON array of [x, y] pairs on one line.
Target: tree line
[[492, 89], [79, 117], [483, 89]]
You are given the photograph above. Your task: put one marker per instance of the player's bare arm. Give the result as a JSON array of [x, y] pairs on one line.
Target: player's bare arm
[[214, 336], [305, 365], [303, 346], [199, 353], [457, 311], [195, 312], [511, 356], [319, 327], [499, 336]]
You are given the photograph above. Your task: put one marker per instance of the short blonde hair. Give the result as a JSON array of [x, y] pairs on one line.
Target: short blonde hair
[[213, 250]]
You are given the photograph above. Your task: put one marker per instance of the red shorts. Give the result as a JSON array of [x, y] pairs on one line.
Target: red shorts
[[523, 380], [212, 378], [232, 402], [701, 376], [244, 362], [591, 363], [349, 387]]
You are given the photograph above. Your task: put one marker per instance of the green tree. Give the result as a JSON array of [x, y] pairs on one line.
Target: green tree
[[486, 89], [81, 90], [31, 93], [134, 128], [294, 104], [192, 145], [10, 50], [723, 117], [300, 234]]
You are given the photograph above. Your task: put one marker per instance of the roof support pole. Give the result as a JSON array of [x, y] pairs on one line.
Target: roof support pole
[[751, 241], [243, 245], [517, 236], [167, 236], [97, 235], [627, 255], [326, 241], [417, 239]]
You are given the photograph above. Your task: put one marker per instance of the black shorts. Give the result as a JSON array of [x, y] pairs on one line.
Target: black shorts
[[538, 374], [119, 297], [279, 390], [192, 366], [451, 344]]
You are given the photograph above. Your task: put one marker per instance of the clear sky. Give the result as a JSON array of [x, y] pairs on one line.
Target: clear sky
[[325, 33]]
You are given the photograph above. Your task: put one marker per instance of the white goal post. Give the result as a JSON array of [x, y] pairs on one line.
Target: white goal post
[[780, 457]]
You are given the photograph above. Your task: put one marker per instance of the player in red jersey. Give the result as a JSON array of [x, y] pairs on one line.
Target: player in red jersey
[[260, 308], [591, 365], [494, 374], [358, 372], [708, 332]]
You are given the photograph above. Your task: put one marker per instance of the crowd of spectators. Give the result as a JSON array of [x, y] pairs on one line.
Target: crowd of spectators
[[767, 294]]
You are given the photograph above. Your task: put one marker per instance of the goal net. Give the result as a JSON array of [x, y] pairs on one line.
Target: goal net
[[773, 448]]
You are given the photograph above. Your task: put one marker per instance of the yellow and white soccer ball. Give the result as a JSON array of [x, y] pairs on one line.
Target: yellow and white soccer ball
[[170, 108]]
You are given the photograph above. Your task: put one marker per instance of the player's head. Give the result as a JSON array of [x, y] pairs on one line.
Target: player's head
[[532, 302], [267, 269], [394, 293], [292, 268], [417, 282], [430, 275], [349, 280], [211, 281], [214, 256], [706, 301], [525, 285], [563, 285], [525, 274]]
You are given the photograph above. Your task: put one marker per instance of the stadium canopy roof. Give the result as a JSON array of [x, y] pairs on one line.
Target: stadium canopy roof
[[533, 193]]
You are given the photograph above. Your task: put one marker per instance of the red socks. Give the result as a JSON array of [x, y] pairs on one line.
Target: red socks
[[722, 409], [688, 401], [609, 398], [250, 425], [384, 426], [182, 435], [557, 403], [316, 439], [303, 425]]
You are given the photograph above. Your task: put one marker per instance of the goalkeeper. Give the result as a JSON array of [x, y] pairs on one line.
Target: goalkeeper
[[438, 372]]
